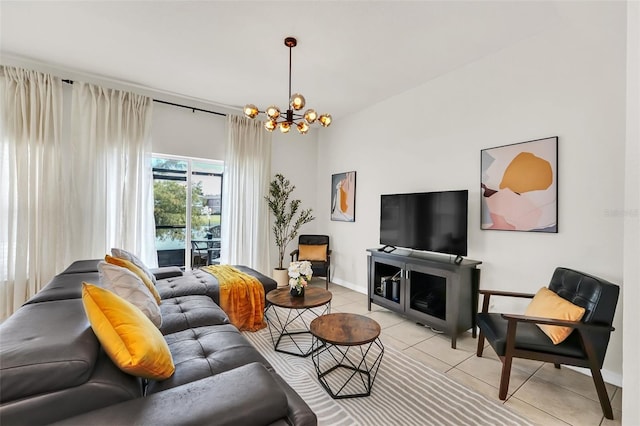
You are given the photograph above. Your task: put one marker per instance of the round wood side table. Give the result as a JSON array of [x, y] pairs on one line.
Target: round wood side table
[[347, 353], [289, 317]]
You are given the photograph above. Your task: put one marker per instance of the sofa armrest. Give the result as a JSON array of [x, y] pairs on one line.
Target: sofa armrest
[[247, 395], [166, 272], [486, 296], [558, 322]]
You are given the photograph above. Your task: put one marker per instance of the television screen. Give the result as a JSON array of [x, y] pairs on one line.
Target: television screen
[[431, 221]]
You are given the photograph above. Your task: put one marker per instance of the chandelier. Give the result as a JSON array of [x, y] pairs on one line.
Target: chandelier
[[291, 117]]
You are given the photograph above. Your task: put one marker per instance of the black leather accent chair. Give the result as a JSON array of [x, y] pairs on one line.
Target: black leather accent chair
[[517, 336], [321, 268]]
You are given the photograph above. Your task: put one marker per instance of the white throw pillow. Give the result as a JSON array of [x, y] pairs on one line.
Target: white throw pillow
[[127, 285], [126, 255]]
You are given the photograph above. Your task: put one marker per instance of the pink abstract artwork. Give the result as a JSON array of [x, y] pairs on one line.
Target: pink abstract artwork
[[519, 186]]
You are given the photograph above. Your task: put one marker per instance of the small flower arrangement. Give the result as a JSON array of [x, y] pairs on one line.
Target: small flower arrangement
[[300, 274]]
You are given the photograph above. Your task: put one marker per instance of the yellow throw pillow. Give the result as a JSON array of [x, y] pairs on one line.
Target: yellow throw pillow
[[312, 252], [130, 339], [547, 304], [139, 272]]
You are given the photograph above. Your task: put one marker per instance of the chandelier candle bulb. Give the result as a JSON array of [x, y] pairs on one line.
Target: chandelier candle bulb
[[325, 120], [273, 112], [310, 115], [296, 102], [251, 110]]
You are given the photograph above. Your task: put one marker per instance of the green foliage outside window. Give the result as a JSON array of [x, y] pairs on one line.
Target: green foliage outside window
[[169, 208]]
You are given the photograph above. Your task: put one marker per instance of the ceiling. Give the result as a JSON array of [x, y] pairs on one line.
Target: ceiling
[[350, 54]]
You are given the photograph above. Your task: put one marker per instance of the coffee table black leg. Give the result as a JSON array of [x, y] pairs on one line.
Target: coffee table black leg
[[365, 370], [278, 325]]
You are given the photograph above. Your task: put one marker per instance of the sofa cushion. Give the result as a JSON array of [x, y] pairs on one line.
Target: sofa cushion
[[64, 286], [199, 282], [181, 313], [267, 282], [130, 287], [206, 351], [45, 347], [247, 395], [80, 266], [195, 282], [129, 338], [136, 270], [107, 385], [166, 272]]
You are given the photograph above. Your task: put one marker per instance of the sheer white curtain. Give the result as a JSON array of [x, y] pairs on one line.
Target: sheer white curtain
[[31, 208], [245, 213], [110, 180]]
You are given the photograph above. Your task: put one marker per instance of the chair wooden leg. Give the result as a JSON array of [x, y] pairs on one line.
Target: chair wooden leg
[[326, 280], [480, 348], [597, 378], [505, 376], [602, 393], [507, 359]]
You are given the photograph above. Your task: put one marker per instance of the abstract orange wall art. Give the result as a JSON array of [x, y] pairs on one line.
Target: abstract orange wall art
[[343, 197], [519, 186]]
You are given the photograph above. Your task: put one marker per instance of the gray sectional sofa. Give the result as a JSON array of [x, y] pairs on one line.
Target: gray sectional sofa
[[53, 369]]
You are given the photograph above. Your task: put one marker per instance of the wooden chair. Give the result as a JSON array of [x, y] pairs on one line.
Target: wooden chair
[[310, 247], [517, 336]]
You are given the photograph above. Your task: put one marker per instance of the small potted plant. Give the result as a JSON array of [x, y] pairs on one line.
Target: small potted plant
[[299, 277], [287, 220]]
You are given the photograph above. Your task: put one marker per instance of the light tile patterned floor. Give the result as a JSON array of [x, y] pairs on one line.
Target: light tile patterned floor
[[537, 391]]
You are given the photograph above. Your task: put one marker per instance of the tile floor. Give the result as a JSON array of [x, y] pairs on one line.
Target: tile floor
[[538, 391]]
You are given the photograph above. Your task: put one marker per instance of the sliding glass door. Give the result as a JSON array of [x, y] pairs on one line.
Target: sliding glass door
[[187, 196]]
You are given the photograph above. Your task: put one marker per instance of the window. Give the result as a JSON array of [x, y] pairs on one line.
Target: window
[[187, 196]]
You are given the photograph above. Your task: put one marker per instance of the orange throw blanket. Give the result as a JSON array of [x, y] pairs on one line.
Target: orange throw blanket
[[241, 297]]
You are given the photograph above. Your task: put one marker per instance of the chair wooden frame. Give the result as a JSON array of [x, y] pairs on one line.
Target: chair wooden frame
[[512, 352]]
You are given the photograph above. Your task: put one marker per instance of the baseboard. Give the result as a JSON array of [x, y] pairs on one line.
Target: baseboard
[[349, 285], [608, 376]]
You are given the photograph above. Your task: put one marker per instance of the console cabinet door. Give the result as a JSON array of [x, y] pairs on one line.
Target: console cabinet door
[[430, 297], [382, 294]]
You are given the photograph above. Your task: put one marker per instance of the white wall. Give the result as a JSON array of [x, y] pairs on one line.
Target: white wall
[[630, 366], [295, 157], [568, 81]]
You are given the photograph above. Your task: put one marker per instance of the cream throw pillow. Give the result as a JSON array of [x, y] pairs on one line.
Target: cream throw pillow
[[547, 304], [127, 285], [123, 254], [139, 272]]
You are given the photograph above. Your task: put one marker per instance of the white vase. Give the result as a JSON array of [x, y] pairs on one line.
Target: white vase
[[281, 276]]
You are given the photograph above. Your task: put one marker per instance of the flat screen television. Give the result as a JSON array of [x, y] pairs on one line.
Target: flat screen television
[[429, 221]]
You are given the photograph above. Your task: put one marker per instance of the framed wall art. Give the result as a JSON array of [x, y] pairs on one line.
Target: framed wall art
[[343, 197], [519, 186]]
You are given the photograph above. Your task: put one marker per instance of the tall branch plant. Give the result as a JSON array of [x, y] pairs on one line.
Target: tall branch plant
[[287, 221]]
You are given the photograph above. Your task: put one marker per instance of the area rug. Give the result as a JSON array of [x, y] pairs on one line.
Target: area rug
[[405, 392]]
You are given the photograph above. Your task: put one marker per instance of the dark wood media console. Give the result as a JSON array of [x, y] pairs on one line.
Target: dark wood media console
[[430, 289]]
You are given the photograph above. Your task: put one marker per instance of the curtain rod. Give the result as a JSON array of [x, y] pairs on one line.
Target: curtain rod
[[194, 109]]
